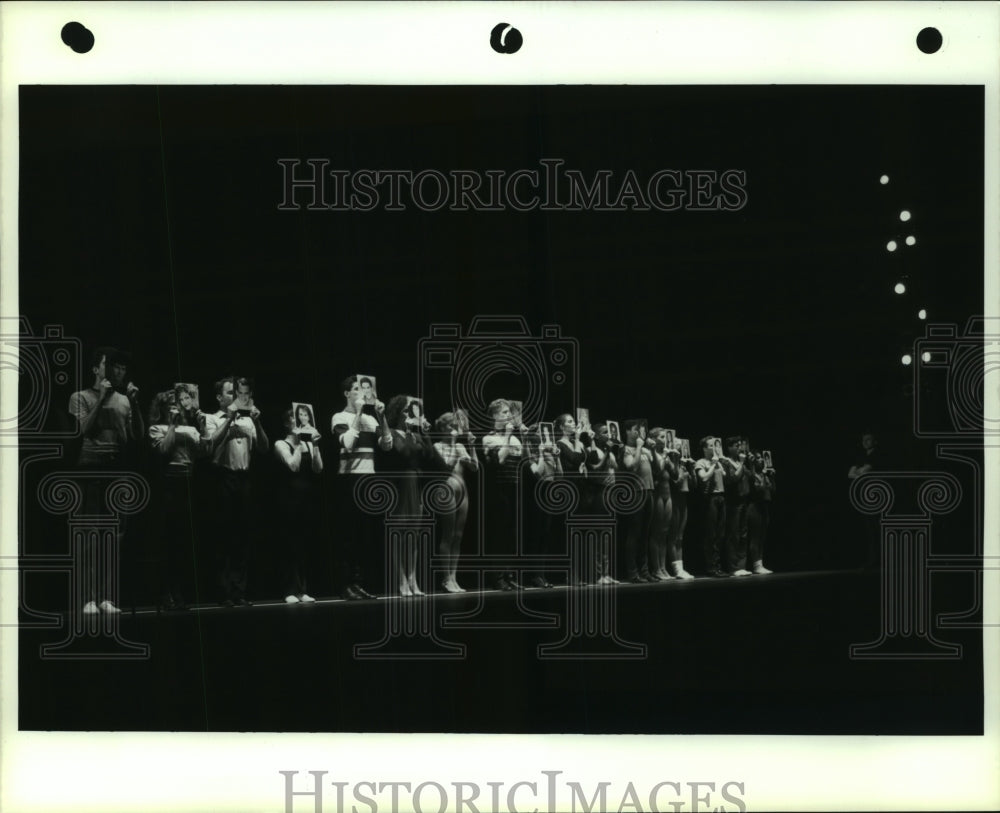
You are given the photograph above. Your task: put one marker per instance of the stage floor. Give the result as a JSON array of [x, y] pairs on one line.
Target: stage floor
[[754, 655]]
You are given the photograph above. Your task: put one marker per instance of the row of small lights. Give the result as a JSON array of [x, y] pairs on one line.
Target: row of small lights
[[900, 287]]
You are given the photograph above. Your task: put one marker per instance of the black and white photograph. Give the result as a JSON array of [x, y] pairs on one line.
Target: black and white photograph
[[304, 416], [464, 549], [545, 433], [614, 432], [685, 448], [368, 388]]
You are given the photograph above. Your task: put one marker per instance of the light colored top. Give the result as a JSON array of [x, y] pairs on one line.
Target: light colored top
[[186, 442], [110, 431], [233, 452], [357, 446], [716, 482]]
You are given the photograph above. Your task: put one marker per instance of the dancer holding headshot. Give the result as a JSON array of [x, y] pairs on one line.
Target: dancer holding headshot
[[680, 488], [759, 512], [502, 452], [664, 475], [460, 458], [637, 457], [412, 453], [300, 466], [176, 433], [357, 429], [107, 423], [234, 435], [711, 480], [737, 487], [601, 466]]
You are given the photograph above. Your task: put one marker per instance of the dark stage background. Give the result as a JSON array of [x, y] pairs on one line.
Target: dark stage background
[[149, 220]]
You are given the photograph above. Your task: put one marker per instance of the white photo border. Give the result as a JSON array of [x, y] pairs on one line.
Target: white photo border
[[439, 43]]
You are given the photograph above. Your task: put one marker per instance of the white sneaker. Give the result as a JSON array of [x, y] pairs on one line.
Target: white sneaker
[[683, 574], [108, 607], [760, 570], [290, 599], [741, 572], [305, 598], [90, 608]]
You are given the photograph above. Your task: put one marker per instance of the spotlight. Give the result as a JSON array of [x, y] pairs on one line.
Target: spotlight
[[907, 359], [922, 314], [904, 215], [884, 180], [891, 245], [900, 288], [911, 240], [926, 357]]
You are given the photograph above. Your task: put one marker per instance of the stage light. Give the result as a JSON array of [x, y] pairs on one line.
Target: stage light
[[904, 215], [922, 314], [884, 180], [900, 288], [926, 356], [911, 240], [907, 359], [891, 245]]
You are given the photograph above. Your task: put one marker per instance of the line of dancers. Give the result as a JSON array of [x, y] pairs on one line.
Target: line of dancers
[[323, 525]]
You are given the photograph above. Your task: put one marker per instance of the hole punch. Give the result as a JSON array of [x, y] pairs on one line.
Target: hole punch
[[505, 39], [929, 40], [78, 37]]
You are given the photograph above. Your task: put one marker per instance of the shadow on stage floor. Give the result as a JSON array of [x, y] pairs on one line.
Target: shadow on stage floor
[[761, 654]]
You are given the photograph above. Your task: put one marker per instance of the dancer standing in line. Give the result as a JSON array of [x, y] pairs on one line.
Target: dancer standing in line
[[234, 435], [664, 475], [542, 529], [601, 466], [637, 457], [357, 429], [107, 421], [680, 488], [737, 486], [298, 500], [459, 458], [759, 513], [412, 453], [176, 433], [711, 479], [502, 451]]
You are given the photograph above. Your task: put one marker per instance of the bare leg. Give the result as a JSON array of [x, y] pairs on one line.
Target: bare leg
[[461, 515], [446, 548]]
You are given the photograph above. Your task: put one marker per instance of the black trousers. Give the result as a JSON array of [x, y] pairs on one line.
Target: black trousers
[[637, 528], [736, 533], [358, 539], [297, 507], [758, 521], [101, 562], [175, 557], [234, 515], [714, 530]]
